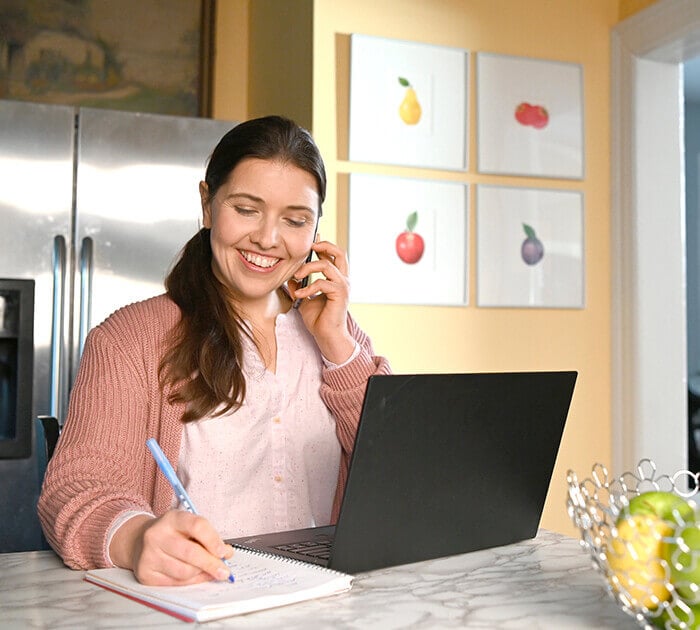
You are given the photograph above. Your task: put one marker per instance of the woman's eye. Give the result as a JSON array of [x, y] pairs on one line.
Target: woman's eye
[[244, 211], [297, 222]]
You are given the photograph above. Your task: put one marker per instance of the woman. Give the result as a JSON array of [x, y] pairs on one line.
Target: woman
[[256, 402]]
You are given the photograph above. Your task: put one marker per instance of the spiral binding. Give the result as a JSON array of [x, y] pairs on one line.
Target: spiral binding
[[286, 559]]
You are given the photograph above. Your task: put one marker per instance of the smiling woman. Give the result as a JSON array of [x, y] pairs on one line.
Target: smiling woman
[[257, 403], [262, 227]]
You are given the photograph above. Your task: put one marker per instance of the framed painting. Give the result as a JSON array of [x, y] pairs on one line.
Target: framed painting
[[529, 247], [137, 55], [529, 117], [408, 103], [407, 240]]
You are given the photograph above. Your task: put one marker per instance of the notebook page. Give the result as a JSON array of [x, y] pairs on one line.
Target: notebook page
[[261, 581]]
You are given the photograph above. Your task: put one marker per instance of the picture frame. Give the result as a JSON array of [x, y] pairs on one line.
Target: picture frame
[[408, 103], [530, 247], [115, 55], [529, 117], [388, 264]]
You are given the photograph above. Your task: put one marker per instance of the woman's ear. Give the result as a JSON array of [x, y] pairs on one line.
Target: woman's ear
[[206, 204]]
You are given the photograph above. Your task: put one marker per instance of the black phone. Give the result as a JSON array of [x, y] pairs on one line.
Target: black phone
[[305, 281]]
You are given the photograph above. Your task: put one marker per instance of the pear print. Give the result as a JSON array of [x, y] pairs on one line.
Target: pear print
[[410, 109]]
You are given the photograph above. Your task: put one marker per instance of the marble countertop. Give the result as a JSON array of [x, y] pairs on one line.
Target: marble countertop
[[544, 583]]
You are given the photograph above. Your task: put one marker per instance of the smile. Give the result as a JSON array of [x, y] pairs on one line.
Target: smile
[[259, 261]]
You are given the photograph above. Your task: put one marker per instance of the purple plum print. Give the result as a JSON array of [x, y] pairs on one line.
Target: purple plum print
[[532, 249]]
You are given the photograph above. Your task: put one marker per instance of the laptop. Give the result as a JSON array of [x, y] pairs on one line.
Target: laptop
[[443, 464]]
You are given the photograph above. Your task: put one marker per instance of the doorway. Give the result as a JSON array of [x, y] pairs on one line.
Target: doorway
[[691, 116], [650, 379]]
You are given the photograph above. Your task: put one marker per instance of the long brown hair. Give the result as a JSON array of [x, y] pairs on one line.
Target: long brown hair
[[204, 359]]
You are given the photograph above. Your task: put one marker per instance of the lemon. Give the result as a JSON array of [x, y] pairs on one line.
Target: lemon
[[635, 559]]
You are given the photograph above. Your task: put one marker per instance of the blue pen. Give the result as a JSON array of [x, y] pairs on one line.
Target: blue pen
[[179, 489]]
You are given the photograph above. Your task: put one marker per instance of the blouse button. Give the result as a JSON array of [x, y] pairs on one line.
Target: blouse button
[[278, 478], [277, 420]]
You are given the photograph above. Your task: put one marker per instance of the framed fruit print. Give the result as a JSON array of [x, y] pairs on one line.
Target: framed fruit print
[[529, 247], [407, 240], [529, 117], [408, 103]]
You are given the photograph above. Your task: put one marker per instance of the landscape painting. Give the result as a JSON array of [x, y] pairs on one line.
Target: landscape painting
[[136, 55]]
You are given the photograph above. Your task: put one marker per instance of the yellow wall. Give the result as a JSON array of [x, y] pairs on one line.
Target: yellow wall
[[435, 339], [230, 73], [630, 7], [281, 59]]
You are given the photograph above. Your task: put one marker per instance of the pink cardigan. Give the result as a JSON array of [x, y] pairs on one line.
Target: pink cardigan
[[101, 466]]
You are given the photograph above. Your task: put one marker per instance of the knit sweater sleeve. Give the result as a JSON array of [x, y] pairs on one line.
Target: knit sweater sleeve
[[99, 470], [343, 392]]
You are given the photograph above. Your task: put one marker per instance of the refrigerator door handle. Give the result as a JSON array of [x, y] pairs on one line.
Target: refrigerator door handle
[[86, 270], [59, 290]]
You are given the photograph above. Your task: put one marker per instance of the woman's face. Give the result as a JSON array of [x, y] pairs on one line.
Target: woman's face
[[262, 222]]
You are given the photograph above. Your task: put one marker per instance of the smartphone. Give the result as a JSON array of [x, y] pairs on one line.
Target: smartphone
[[305, 281]]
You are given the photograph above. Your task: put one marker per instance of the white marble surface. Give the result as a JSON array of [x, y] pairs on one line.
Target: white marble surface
[[545, 583]]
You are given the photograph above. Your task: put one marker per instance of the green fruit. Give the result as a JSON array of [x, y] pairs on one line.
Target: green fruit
[[636, 556], [678, 615], [662, 504], [684, 560]]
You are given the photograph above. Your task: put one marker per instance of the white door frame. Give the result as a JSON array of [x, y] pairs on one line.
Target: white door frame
[[649, 370]]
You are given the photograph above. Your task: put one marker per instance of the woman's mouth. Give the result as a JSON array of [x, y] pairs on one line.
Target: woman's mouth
[[257, 260]]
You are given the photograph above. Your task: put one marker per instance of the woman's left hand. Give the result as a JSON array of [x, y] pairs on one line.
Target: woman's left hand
[[324, 306]]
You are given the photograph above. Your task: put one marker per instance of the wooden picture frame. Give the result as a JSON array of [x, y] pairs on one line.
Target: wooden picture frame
[[128, 55]]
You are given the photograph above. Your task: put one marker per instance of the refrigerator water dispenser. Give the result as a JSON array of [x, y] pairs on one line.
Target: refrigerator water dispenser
[[16, 367]]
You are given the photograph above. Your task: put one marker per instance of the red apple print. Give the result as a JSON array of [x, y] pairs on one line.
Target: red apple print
[[523, 113], [531, 115], [410, 244], [541, 117], [532, 249]]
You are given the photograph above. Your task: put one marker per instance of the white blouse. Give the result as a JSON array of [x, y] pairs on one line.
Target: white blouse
[[273, 464]]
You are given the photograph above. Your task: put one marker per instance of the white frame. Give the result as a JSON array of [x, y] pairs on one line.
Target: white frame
[[378, 208], [504, 278], [509, 147], [649, 364], [439, 76]]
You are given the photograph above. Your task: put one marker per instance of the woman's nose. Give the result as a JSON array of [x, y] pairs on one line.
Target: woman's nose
[[265, 235]]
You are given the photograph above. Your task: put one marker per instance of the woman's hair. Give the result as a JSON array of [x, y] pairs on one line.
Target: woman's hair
[[203, 362]]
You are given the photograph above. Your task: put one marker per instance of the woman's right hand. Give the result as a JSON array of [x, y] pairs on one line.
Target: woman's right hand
[[172, 550]]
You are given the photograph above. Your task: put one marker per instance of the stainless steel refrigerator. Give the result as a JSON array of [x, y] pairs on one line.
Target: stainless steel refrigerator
[[94, 206]]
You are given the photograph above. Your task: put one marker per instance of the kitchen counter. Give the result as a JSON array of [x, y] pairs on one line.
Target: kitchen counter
[[544, 583]]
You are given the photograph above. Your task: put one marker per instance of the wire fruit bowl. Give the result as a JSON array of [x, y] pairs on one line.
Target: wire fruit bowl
[[650, 563]]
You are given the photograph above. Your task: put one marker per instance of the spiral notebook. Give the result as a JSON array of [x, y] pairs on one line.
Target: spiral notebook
[[262, 581]]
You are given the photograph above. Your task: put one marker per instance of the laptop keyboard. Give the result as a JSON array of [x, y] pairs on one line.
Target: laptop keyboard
[[312, 548]]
